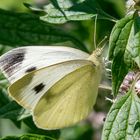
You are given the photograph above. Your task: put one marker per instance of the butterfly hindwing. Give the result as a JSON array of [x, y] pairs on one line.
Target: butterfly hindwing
[[20, 61], [70, 100], [30, 88]]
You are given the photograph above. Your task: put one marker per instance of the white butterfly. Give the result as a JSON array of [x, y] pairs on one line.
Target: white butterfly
[[59, 85]]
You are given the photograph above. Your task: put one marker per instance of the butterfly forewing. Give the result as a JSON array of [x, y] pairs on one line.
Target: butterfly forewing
[[20, 61], [30, 88], [70, 100]]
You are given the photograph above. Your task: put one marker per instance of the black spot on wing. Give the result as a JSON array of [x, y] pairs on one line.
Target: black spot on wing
[[12, 60], [39, 88], [30, 69], [94, 65]]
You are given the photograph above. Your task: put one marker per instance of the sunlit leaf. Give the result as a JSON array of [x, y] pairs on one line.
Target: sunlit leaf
[[61, 11], [124, 48], [122, 118], [133, 47]]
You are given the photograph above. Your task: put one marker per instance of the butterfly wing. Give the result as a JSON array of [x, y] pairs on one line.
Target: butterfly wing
[[70, 100], [18, 62], [32, 86]]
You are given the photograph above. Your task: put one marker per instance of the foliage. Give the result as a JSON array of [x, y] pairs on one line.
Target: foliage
[[20, 32], [71, 23], [61, 12], [124, 47], [122, 118], [28, 137]]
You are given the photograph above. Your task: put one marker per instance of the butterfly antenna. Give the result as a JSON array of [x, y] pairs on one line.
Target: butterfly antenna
[[101, 46], [102, 42], [95, 29]]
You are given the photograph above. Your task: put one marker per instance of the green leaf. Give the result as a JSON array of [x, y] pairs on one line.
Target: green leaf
[[24, 113], [7, 108], [121, 120], [119, 36], [83, 131], [33, 129], [20, 29], [10, 110], [3, 97], [133, 47], [137, 126], [28, 137], [61, 11], [119, 71], [4, 48], [117, 45], [124, 48]]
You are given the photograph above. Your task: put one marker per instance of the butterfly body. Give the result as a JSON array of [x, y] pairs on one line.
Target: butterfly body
[[59, 85]]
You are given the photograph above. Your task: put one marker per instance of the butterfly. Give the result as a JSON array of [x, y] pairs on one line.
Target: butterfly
[[59, 85]]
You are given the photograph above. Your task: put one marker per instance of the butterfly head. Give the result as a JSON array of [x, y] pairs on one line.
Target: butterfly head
[[98, 52], [96, 56]]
